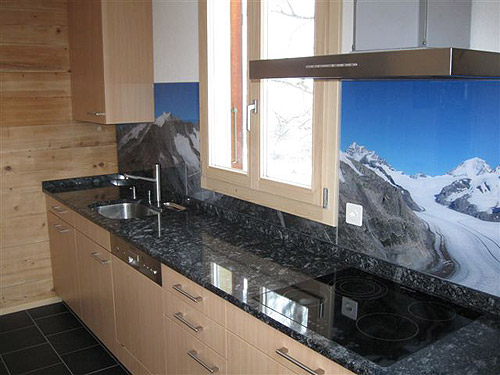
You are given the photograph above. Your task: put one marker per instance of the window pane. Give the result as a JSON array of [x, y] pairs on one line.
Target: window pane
[[289, 28], [226, 26], [287, 114], [287, 131]]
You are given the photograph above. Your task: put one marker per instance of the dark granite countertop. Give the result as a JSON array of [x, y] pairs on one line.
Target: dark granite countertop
[[199, 245]]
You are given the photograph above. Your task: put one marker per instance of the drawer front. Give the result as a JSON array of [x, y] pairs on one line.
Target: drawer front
[[195, 295], [187, 355], [93, 231], [195, 323], [244, 359], [60, 210], [283, 349]]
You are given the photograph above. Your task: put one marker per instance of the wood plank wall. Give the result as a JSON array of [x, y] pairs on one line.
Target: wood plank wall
[[38, 141]]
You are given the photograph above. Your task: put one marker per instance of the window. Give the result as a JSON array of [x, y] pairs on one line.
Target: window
[[272, 142]]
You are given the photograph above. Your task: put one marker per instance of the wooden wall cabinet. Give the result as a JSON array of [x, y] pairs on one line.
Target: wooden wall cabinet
[[139, 320], [111, 59], [96, 289], [64, 261]]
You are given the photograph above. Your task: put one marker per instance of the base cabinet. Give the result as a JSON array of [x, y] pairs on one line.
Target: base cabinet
[[139, 317], [64, 261], [96, 289], [187, 355]]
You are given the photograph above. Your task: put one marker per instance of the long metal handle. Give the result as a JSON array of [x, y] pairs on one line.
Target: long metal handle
[[96, 113], [251, 108], [211, 369], [59, 210], [283, 352], [101, 261], [235, 128], [60, 228], [180, 317], [178, 287]]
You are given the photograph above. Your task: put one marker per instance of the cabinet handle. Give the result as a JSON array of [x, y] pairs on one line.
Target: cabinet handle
[[283, 352], [193, 354], [251, 108], [178, 287], [60, 228], [59, 210], [96, 113], [180, 317], [101, 261]]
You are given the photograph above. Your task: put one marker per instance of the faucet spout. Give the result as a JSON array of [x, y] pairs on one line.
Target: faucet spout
[[155, 180]]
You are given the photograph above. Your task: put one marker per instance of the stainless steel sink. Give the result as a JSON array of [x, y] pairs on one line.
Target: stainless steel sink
[[125, 210]]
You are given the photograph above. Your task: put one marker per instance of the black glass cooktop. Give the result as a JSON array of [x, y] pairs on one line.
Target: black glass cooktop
[[376, 318]]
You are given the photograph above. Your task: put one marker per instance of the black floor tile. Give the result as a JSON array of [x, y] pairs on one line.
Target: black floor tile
[[41, 312], [57, 323], [72, 340], [20, 339], [14, 321], [88, 360], [30, 359], [117, 370], [3, 370], [59, 369]]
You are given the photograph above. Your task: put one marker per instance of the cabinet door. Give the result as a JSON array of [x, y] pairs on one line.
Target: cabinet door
[[244, 359], [139, 321], [188, 356], [96, 289], [63, 259], [86, 59]]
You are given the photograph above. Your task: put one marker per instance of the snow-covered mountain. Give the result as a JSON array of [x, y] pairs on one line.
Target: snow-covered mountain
[[473, 187], [471, 168], [460, 209]]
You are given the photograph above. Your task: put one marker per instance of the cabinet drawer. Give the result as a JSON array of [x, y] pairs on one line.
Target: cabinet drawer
[[272, 342], [244, 359], [195, 295], [94, 231], [185, 354], [194, 322], [60, 210]]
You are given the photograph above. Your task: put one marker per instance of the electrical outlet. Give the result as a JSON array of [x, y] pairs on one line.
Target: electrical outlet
[[354, 214], [349, 308]]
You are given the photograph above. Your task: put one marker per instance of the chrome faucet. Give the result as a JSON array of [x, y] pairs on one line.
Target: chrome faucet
[[156, 180]]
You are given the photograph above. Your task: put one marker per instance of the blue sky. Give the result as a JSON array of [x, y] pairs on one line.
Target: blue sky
[[179, 98], [423, 126]]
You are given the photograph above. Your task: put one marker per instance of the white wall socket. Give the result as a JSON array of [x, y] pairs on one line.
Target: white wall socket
[[354, 214]]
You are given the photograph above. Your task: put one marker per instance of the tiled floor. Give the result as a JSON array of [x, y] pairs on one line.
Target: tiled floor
[[50, 340]]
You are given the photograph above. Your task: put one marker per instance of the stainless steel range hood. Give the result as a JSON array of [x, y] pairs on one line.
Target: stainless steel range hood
[[421, 63]]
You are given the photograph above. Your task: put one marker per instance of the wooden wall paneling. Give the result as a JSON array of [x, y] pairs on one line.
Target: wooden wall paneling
[[21, 201], [53, 35], [19, 16], [25, 263], [33, 138], [23, 230], [58, 5], [38, 141]]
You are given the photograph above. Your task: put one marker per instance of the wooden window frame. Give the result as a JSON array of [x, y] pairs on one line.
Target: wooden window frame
[[250, 186]]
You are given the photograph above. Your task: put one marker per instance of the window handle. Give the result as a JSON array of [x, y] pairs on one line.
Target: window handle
[[235, 129], [251, 108]]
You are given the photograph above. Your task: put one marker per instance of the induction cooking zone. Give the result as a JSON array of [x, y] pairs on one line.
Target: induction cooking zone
[[376, 318]]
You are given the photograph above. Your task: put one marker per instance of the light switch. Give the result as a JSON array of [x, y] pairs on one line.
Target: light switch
[[354, 214]]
